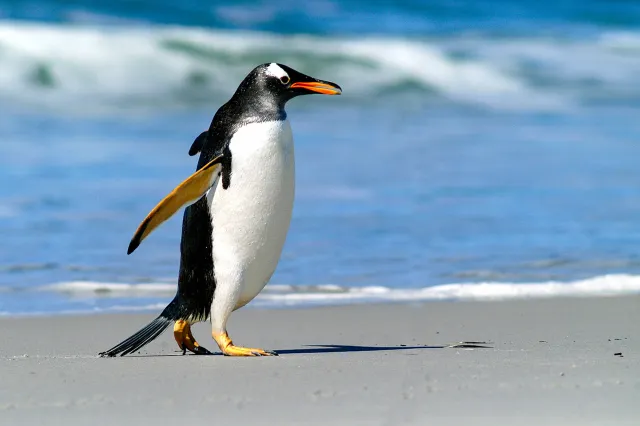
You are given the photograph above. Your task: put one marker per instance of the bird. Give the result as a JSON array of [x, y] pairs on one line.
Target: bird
[[238, 203]]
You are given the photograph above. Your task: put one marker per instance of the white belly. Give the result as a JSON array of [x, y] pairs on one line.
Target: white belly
[[251, 218]]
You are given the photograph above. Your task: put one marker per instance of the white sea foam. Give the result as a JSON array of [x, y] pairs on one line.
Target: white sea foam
[[95, 67], [290, 295], [84, 287]]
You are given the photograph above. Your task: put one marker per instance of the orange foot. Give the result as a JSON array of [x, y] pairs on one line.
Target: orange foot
[[229, 349], [182, 334]]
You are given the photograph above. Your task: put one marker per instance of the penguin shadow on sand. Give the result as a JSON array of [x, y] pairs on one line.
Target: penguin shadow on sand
[[329, 349]]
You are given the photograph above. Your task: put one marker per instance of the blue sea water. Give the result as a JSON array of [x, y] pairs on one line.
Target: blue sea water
[[480, 149]]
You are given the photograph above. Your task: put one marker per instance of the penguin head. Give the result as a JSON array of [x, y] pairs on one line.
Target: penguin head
[[281, 83]]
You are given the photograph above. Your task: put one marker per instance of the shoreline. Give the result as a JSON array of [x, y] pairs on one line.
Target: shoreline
[[90, 297], [157, 308], [545, 361]]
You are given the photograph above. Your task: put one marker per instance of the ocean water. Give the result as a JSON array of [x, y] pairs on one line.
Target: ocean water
[[480, 150]]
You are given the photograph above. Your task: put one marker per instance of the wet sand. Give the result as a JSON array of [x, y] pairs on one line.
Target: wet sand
[[550, 362]]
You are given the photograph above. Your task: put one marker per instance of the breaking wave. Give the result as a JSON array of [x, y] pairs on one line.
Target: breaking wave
[[90, 67]]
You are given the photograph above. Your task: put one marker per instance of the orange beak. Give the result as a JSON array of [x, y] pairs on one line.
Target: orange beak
[[324, 88]]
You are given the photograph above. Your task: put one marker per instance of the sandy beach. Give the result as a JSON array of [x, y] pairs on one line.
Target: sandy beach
[[550, 362]]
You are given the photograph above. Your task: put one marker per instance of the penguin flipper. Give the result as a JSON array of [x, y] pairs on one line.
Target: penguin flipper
[[197, 144], [185, 194]]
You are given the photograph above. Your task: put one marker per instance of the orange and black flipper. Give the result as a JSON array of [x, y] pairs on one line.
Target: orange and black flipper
[[185, 194]]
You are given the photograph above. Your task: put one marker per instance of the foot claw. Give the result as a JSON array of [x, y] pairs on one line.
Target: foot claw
[[199, 350], [229, 349], [240, 351], [185, 340]]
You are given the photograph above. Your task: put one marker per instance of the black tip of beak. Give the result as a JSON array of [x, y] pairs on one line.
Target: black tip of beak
[[334, 85]]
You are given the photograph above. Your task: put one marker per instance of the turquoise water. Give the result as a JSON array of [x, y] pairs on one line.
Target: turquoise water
[[474, 143]]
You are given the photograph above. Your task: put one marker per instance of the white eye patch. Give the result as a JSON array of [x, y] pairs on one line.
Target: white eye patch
[[275, 71]]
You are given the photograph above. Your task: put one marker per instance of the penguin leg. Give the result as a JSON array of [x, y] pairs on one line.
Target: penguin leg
[[223, 304], [185, 340], [229, 349]]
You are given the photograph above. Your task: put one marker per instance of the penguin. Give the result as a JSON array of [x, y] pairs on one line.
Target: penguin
[[238, 210]]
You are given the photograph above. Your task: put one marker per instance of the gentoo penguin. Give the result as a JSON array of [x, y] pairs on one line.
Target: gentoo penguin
[[239, 204]]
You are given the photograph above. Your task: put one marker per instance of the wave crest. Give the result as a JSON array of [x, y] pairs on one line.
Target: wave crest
[[155, 67]]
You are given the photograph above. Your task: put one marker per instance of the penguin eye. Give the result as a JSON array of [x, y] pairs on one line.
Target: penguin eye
[[285, 79]]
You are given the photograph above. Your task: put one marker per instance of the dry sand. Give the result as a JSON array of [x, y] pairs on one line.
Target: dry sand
[[549, 362]]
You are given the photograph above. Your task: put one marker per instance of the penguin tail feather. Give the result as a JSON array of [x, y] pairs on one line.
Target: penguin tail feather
[[142, 337]]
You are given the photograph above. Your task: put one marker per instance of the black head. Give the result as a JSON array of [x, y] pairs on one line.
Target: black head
[[276, 84]]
